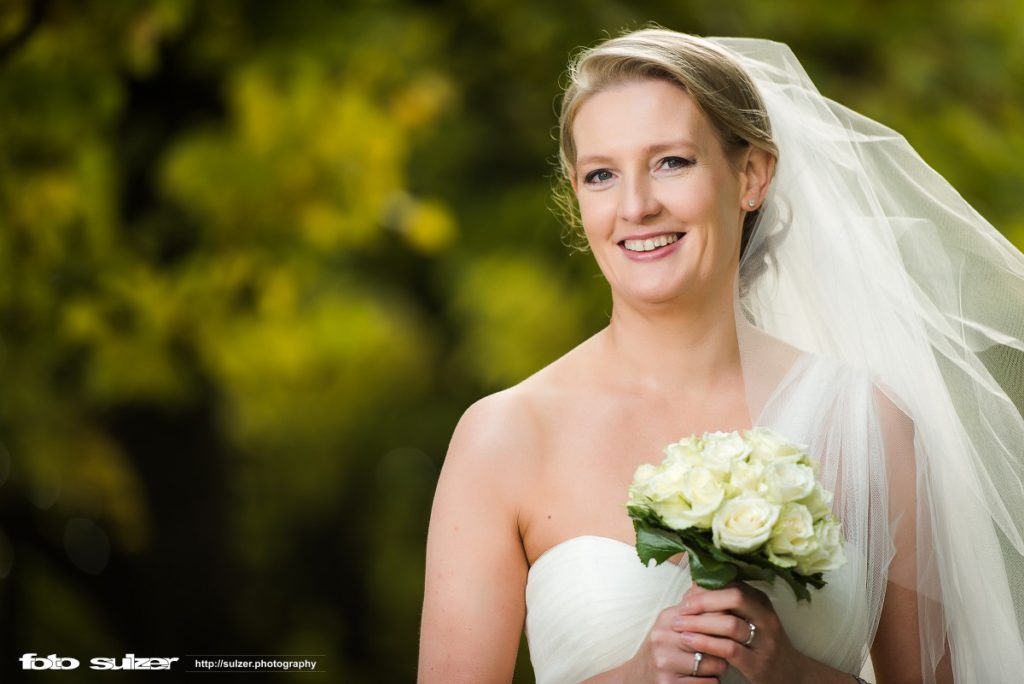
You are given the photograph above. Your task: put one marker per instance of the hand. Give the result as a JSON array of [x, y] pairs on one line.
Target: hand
[[664, 657], [717, 623]]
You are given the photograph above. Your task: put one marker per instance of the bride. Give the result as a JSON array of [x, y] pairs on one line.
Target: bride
[[774, 260]]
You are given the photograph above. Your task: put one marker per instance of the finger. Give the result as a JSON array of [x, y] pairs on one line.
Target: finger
[[731, 652], [729, 598], [754, 594], [715, 624], [745, 587], [710, 670], [670, 659], [746, 602], [681, 608], [710, 666], [694, 590], [678, 613], [667, 616]]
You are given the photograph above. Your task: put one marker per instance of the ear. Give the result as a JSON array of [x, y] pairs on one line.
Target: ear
[[757, 171], [574, 182]]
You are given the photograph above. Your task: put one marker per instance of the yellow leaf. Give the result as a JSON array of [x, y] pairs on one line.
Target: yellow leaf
[[429, 227]]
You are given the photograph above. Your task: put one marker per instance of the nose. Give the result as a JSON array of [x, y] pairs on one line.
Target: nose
[[637, 201]]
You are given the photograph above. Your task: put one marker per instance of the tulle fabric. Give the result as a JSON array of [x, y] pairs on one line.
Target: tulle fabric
[[875, 261], [911, 307]]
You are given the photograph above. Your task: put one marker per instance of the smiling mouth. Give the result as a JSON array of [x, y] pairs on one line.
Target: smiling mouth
[[651, 244]]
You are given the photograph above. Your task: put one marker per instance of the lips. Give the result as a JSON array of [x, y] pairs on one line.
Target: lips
[[643, 244]]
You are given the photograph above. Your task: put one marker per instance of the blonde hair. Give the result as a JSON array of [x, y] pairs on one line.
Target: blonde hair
[[719, 86]]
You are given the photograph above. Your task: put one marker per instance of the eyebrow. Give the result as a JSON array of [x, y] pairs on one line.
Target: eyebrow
[[649, 150]]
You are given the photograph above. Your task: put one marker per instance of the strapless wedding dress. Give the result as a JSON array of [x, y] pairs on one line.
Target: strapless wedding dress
[[590, 601]]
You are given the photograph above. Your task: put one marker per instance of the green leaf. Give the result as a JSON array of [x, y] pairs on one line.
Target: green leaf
[[709, 572], [655, 542], [646, 515], [749, 571], [711, 567], [701, 539], [798, 585]]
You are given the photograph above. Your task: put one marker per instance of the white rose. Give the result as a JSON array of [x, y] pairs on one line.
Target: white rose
[[686, 450], [829, 554], [747, 478], [744, 523], [793, 534], [667, 481], [693, 502], [788, 482], [768, 446], [705, 493], [640, 490], [781, 561], [722, 450], [819, 502]]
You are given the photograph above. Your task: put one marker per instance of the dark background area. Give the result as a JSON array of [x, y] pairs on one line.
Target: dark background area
[[257, 257]]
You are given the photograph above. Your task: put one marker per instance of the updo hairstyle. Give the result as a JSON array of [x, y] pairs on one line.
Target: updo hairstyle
[[719, 86]]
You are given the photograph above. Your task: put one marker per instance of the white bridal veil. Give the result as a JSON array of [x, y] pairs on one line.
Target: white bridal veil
[[875, 261]]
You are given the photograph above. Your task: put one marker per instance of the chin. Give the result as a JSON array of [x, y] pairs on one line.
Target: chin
[[653, 296]]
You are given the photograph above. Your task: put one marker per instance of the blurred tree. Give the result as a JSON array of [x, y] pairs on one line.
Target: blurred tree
[[255, 258]]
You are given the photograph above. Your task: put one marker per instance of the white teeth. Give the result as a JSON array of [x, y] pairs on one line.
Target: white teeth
[[650, 243]]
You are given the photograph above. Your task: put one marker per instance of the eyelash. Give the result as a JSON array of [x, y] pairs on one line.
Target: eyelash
[[684, 161], [591, 177]]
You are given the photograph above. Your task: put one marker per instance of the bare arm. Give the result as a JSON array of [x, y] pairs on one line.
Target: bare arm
[[474, 602], [896, 651]]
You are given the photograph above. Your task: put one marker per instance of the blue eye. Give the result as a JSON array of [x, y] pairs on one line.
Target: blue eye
[[598, 176], [676, 163]]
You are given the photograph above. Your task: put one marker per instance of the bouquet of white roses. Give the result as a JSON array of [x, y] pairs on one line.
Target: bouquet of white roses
[[743, 506]]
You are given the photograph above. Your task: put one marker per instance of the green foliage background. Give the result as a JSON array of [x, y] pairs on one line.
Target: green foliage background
[[257, 257]]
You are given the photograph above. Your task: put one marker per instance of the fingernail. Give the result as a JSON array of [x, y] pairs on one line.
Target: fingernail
[[688, 638], [678, 625]]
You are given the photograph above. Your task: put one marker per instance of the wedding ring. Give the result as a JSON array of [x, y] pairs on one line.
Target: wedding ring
[[697, 657], [753, 631]]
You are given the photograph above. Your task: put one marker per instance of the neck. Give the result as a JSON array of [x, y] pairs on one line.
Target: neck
[[666, 348]]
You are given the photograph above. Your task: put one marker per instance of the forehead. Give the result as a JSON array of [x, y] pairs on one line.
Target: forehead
[[636, 114]]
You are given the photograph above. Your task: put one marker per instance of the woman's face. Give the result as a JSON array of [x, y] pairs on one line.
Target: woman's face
[[661, 205]]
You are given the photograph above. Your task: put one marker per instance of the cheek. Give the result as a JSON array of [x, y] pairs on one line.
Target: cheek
[[697, 204], [694, 203], [596, 211], [722, 206], [698, 195]]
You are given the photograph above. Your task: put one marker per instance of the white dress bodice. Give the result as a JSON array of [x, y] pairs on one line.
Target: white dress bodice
[[590, 601]]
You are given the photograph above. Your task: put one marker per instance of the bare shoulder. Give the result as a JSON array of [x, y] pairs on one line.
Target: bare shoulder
[[492, 446], [498, 424], [512, 426], [476, 565]]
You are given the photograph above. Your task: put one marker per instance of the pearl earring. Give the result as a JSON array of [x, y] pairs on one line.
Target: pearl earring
[[750, 203]]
